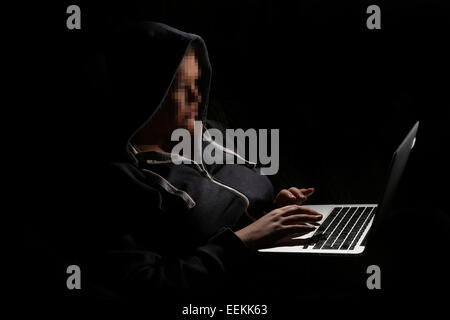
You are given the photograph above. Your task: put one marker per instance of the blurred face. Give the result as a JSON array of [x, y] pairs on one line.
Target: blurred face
[[184, 97], [179, 109]]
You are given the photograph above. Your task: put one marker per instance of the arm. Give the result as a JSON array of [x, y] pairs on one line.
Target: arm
[[141, 272], [134, 268], [131, 267]]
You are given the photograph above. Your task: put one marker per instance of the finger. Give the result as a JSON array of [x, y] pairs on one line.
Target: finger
[[296, 209], [307, 191], [298, 194], [285, 197], [310, 211], [288, 209], [300, 218], [293, 229]]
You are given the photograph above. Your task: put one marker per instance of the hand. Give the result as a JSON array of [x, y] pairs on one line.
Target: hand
[[292, 196], [279, 226]]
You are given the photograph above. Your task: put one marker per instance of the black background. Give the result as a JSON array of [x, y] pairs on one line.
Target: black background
[[342, 96]]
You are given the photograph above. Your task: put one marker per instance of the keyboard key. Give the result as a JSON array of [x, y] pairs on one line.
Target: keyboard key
[[357, 212], [361, 218], [364, 226], [337, 230], [329, 224]]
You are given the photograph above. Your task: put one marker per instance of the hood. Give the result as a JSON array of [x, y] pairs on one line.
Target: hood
[[133, 72]]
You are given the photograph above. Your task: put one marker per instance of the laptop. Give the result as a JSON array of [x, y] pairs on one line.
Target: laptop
[[346, 228]]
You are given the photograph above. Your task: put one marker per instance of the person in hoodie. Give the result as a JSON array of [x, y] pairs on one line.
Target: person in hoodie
[[167, 227]]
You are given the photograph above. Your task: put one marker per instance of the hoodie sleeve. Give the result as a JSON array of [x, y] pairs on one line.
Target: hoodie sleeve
[[136, 270], [142, 272]]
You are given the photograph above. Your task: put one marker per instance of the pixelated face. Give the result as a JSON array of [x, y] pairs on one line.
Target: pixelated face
[[184, 96], [179, 109]]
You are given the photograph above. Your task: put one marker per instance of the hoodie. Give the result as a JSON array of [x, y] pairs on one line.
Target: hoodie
[[155, 226]]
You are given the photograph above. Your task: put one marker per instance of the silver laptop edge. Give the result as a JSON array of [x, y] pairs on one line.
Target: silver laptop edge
[[397, 167]]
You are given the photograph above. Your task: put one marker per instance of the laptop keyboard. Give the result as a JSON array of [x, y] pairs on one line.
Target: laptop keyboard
[[343, 228]]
